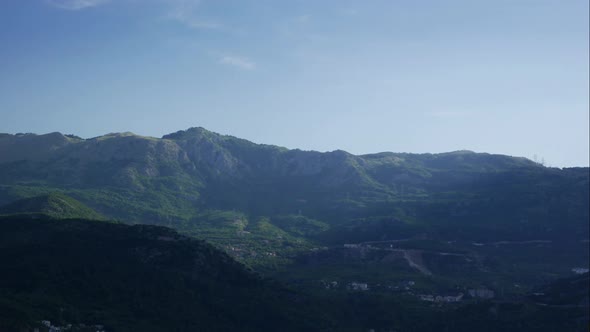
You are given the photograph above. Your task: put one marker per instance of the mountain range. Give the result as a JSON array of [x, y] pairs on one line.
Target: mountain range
[[392, 225]]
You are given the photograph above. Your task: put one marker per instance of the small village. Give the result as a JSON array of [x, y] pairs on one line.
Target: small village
[[407, 288], [47, 326]]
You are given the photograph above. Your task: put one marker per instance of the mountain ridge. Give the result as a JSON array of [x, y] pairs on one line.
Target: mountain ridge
[[202, 132]]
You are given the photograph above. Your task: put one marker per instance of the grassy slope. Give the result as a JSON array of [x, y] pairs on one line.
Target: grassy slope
[[54, 205]]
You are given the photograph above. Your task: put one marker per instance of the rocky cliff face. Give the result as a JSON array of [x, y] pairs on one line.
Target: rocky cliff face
[[206, 149], [221, 156]]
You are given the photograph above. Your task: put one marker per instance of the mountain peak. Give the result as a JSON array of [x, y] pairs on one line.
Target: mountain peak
[[190, 132]]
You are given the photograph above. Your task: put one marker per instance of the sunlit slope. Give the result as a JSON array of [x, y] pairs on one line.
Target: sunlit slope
[[53, 205]]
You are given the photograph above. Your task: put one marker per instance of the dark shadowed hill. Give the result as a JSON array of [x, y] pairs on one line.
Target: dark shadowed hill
[[150, 278], [133, 278]]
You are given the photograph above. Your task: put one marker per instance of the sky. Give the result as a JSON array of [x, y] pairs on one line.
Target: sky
[[502, 76]]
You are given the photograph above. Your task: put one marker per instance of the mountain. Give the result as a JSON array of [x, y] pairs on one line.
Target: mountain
[[133, 278], [53, 205], [367, 240], [458, 219]]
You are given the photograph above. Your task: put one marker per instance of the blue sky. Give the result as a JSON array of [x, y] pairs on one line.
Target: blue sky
[[502, 76]]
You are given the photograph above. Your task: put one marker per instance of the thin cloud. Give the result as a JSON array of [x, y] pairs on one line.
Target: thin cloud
[[76, 4], [196, 23], [185, 12], [237, 61]]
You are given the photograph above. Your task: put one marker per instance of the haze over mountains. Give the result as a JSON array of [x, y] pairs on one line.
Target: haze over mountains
[[216, 171], [393, 226]]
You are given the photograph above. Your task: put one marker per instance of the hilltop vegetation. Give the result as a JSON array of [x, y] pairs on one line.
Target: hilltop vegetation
[[53, 205]]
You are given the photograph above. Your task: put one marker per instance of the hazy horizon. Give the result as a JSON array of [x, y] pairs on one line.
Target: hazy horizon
[[508, 77]]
